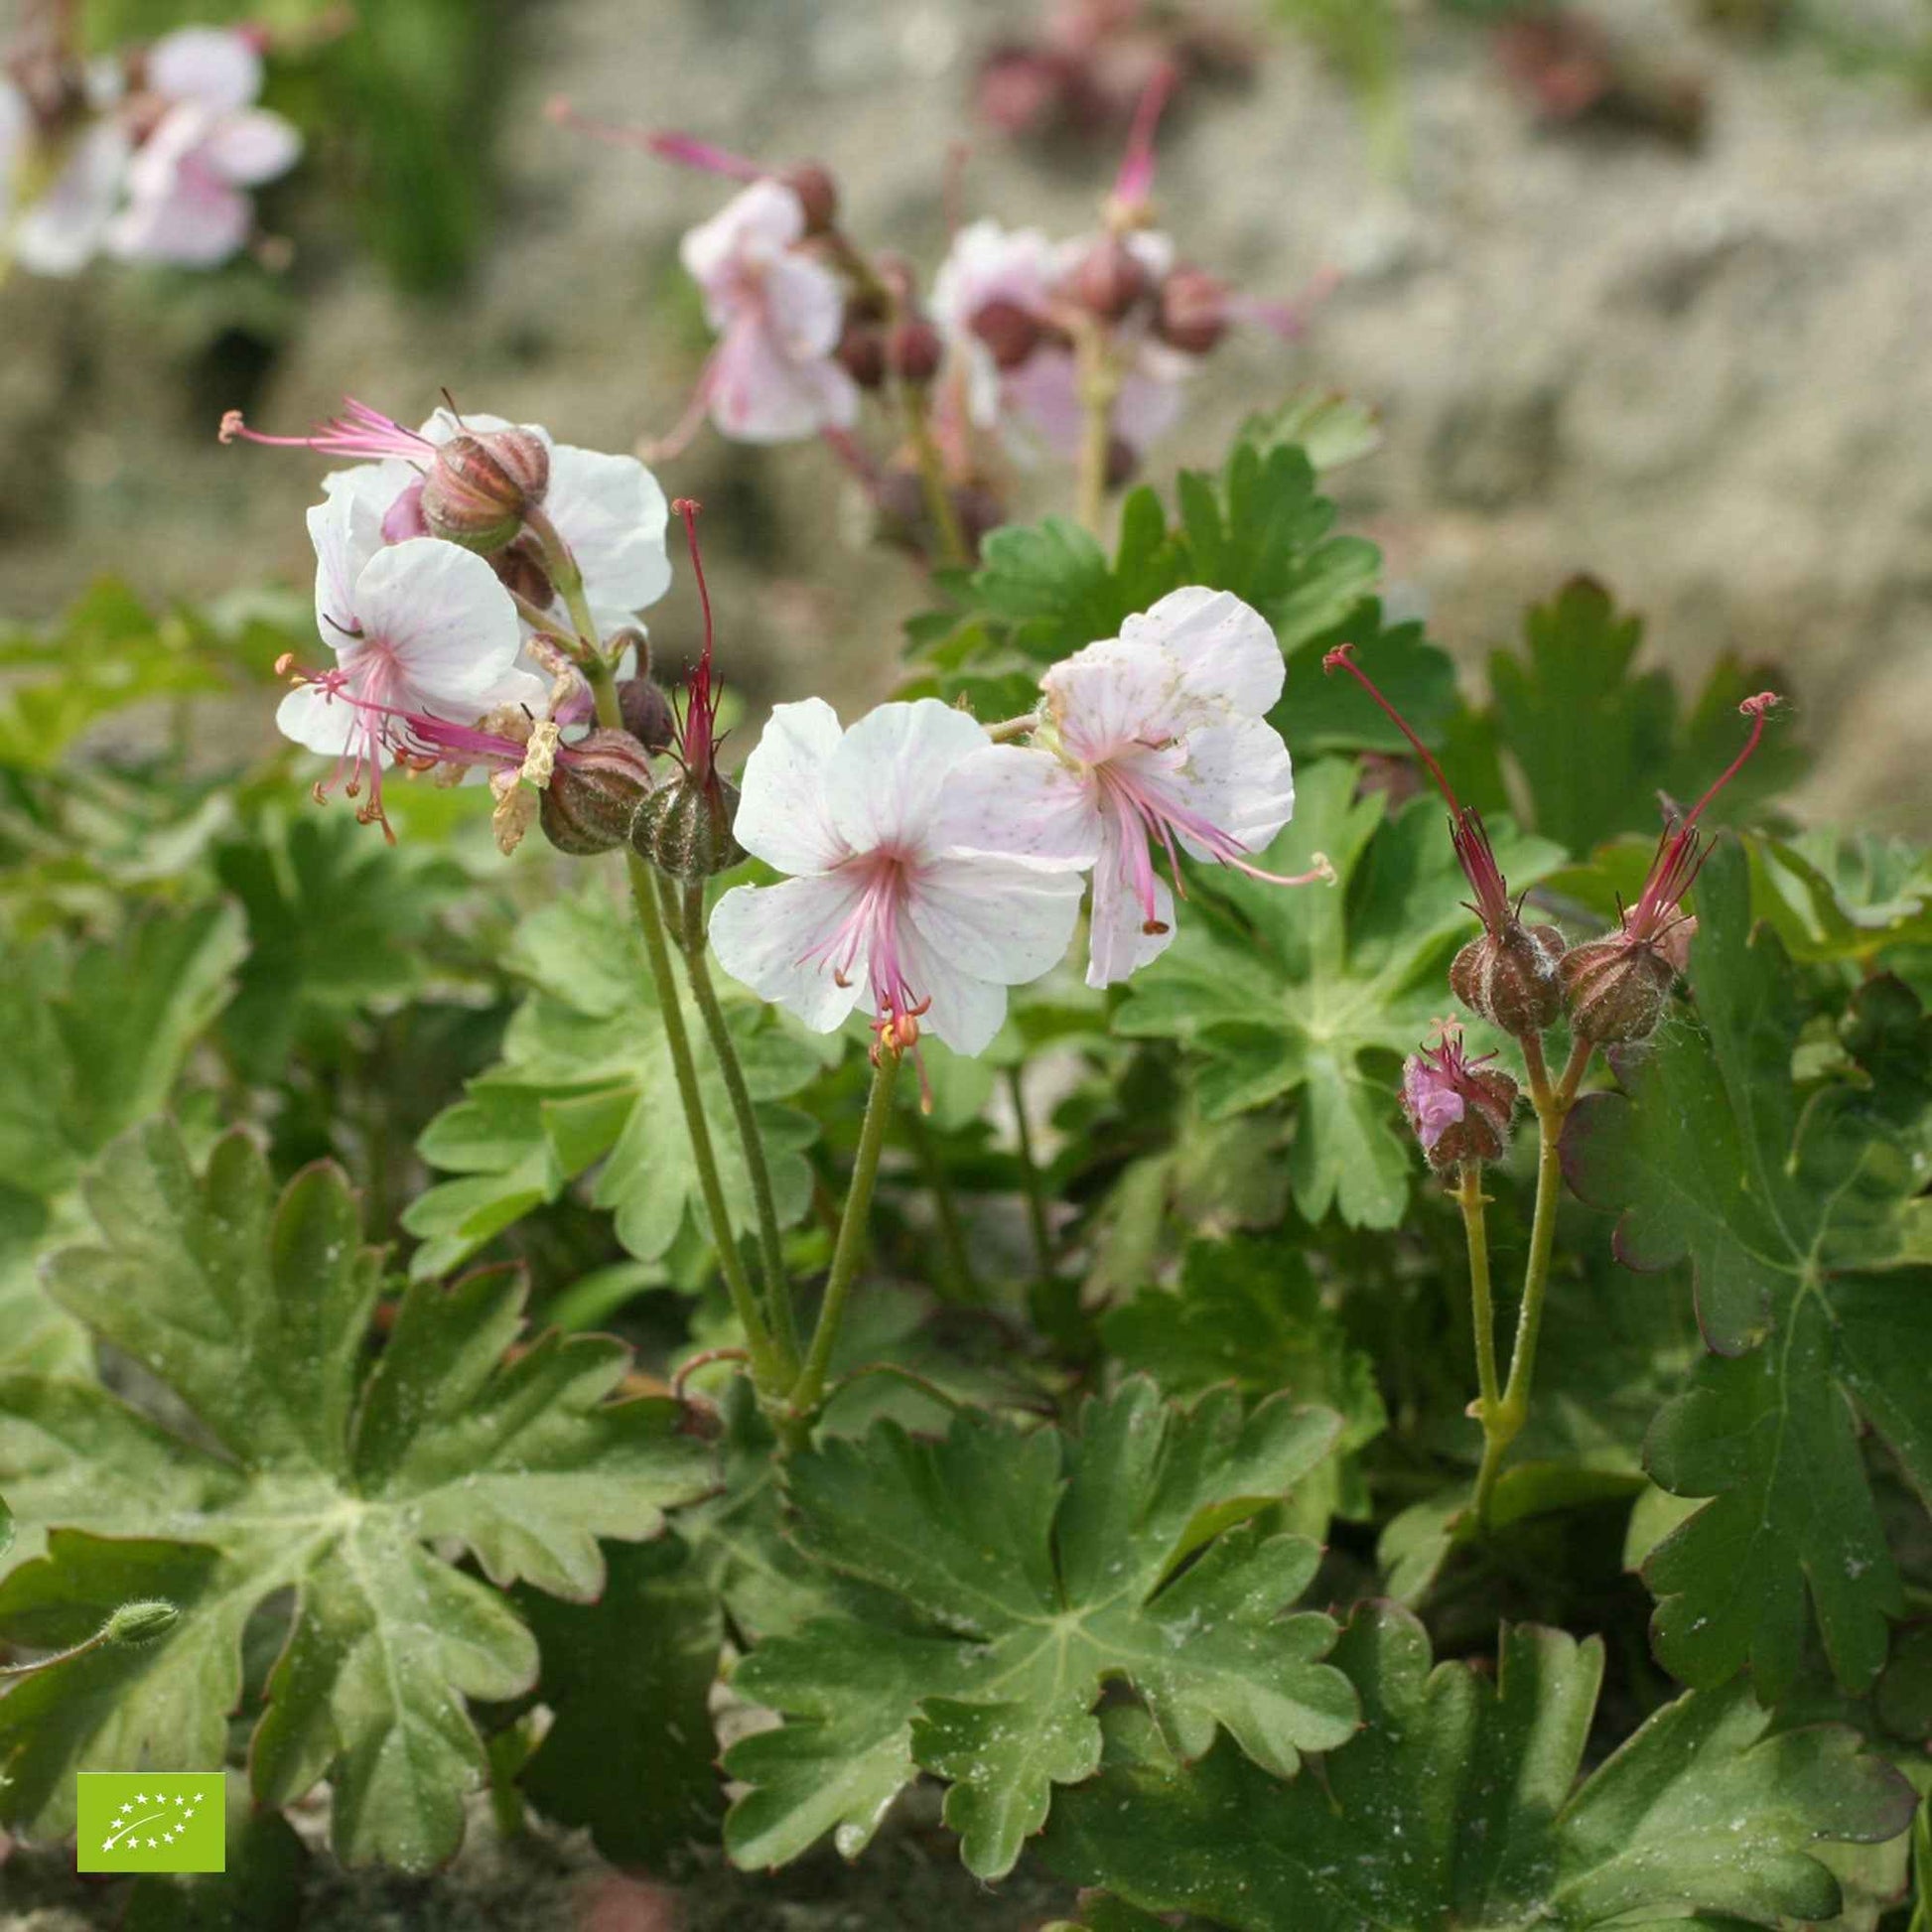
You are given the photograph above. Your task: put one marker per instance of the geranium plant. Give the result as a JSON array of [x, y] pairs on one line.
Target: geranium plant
[[1064, 1242]]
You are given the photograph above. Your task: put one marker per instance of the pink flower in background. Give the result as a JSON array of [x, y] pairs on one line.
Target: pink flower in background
[[420, 628], [778, 313], [901, 900], [61, 177], [205, 145], [1160, 734]]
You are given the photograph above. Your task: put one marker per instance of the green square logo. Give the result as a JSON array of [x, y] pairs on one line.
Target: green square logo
[[153, 1821]]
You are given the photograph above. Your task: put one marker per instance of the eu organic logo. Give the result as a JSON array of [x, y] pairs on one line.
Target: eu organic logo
[[148, 1821]]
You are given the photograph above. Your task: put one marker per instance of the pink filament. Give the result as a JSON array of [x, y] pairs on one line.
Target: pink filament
[[359, 432], [1135, 182], [684, 148]]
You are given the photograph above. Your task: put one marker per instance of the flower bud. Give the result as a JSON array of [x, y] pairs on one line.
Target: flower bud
[[685, 828], [647, 713], [817, 192], [1616, 989], [480, 485], [1460, 1108], [913, 349], [1109, 279], [1011, 332], [593, 798], [1510, 977], [1192, 311], [143, 1621], [519, 569], [1123, 459], [862, 353]]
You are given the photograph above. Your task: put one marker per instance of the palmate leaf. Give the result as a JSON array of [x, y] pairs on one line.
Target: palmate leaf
[[586, 1078], [1315, 992], [1812, 1266], [319, 1477], [1459, 1805], [1013, 1574]]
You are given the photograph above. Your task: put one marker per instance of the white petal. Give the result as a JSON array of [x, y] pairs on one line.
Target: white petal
[[1021, 802], [347, 531], [315, 722], [252, 146], [441, 610], [761, 219], [760, 394], [999, 919], [805, 303], [199, 222], [62, 230], [1117, 695], [1119, 941], [611, 512], [966, 1012], [761, 935], [989, 263], [883, 784], [783, 817], [1228, 651], [216, 67], [1239, 778]]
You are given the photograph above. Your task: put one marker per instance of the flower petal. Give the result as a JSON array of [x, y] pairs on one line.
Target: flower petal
[[999, 919], [211, 65], [1228, 651], [448, 622], [611, 512], [1239, 778], [252, 146], [1119, 942], [1118, 696], [759, 394], [317, 722], [783, 815], [347, 531], [965, 1011], [1020, 803], [805, 304], [60, 231], [763, 937], [757, 221], [883, 784]]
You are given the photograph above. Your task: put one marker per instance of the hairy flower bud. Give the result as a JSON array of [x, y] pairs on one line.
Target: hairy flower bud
[[1011, 332], [1460, 1108], [1510, 977], [142, 1620], [1109, 280], [817, 192], [913, 349], [685, 828], [1192, 311], [647, 713], [1616, 989], [481, 482], [593, 798]]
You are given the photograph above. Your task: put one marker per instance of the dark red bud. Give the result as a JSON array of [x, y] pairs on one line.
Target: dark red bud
[[1011, 332], [1109, 280], [862, 353], [913, 349], [1482, 1134], [647, 714], [595, 793], [1510, 977], [520, 570], [1193, 314], [817, 192], [1616, 989]]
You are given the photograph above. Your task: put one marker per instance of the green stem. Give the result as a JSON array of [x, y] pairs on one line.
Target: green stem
[[809, 1390], [777, 1277], [767, 1369], [1503, 1419], [567, 582], [1473, 1202], [939, 505], [961, 1283], [1099, 382], [1030, 1169]]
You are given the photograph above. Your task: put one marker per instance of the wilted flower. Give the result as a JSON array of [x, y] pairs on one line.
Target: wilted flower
[[203, 142], [884, 909], [1156, 735], [1460, 1108]]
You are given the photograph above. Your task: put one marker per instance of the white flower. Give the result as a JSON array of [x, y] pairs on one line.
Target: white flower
[[778, 313], [418, 629], [1158, 735], [885, 911], [58, 192], [186, 182]]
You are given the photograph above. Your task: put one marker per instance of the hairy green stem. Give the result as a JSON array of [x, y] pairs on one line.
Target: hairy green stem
[[778, 1279], [1099, 383], [1475, 1229], [808, 1392]]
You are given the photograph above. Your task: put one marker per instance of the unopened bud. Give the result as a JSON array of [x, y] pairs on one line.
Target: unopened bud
[[685, 828], [480, 485], [1121, 461], [1193, 312], [519, 569], [594, 795], [862, 353], [1011, 332], [1460, 1108], [1109, 280], [142, 1621], [1510, 977], [1616, 989], [817, 192], [913, 349], [647, 713]]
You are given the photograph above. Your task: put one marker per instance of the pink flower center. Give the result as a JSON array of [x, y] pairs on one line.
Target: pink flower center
[[882, 881]]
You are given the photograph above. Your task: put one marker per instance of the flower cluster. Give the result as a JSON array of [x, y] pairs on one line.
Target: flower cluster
[[148, 156]]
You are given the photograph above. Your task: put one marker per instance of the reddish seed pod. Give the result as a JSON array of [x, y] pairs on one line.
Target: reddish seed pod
[[862, 353], [1510, 977], [1192, 311], [817, 192], [480, 485], [1616, 989], [685, 828], [595, 793], [647, 714], [1121, 461], [913, 349], [1109, 280], [1011, 332]]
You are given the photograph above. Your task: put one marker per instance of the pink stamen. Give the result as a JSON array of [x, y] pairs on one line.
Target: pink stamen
[[871, 927], [683, 149], [1133, 184], [697, 726], [359, 432]]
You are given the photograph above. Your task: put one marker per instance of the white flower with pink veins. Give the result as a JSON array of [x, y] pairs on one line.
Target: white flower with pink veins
[[778, 313], [904, 900], [418, 627], [1156, 736], [206, 144]]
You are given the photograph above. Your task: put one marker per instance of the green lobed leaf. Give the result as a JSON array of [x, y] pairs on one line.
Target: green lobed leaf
[[1799, 1213], [586, 1082], [1024, 1570], [1459, 1805], [1314, 993], [309, 1474]]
